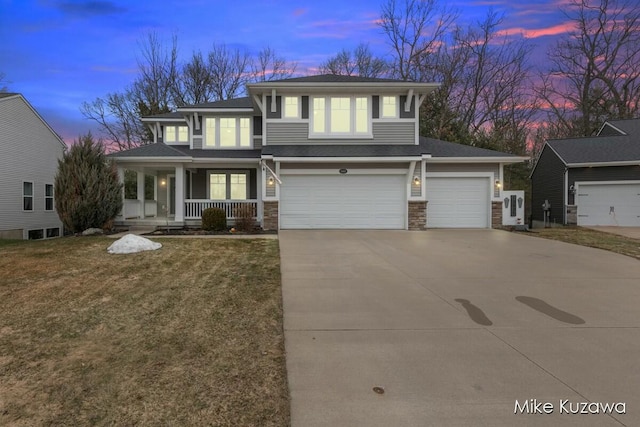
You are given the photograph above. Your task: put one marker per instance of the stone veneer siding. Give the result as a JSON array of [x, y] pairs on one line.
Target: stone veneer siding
[[496, 214], [417, 215], [270, 215]]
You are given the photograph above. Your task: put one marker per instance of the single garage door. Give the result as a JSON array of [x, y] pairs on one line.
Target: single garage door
[[609, 204], [458, 202], [343, 201]]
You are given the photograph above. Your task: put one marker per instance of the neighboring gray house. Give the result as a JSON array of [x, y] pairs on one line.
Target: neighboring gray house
[[590, 181], [29, 153], [322, 151]]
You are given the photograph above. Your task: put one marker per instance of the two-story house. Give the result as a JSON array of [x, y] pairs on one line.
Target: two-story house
[[322, 151], [29, 153]]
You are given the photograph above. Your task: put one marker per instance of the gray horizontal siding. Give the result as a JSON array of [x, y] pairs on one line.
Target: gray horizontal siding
[[606, 173], [298, 132], [28, 152]]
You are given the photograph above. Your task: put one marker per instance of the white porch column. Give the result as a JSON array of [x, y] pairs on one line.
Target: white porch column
[[179, 196], [259, 193], [140, 179], [120, 215]]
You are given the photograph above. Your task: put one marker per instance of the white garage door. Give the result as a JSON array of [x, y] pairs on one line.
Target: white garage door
[[343, 201], [458, 202], [609, 204]]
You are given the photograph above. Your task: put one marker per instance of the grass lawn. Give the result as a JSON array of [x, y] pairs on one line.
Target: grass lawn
[[190, 334], [592, 238]]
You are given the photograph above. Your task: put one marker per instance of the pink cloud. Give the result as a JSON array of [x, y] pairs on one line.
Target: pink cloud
[[540, 32]]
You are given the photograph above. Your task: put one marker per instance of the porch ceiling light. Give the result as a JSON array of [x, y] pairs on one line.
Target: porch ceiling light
[[416, 180], [271, 181]]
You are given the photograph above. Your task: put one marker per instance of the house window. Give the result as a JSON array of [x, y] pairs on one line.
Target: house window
[[176, 134], [228, 185], [341, 116], [228, 132], [35, 234], [389, 107], [53, 232], [27, 196], [48, 197], [291, 107]]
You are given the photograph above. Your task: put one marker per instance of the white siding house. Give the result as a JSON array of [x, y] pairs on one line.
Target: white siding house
[[29, 153]]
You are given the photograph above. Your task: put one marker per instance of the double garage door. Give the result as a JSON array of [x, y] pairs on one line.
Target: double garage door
[[380, 202], [609, 204], [343, 201]]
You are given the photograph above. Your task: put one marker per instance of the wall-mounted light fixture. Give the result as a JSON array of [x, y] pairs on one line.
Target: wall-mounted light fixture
[[572, 189], [271, 181], [416, 180], [163, 182], [498, 183]]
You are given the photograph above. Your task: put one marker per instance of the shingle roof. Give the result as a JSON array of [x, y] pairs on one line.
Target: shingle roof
[[439, 148], [342, 150], [150, 150], [174, 115], [598, 149], [629, 126], [333, 78], [244, 102], [7, 94], [220, 154], [163, 150]]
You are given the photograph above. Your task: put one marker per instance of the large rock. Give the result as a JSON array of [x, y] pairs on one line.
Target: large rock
[[130, 244]]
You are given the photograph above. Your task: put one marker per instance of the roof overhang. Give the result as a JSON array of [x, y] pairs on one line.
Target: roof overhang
[[327, 87], [154, 159], [604, 164], [216, 110], [372, 159], [162, 119], [509, 159]]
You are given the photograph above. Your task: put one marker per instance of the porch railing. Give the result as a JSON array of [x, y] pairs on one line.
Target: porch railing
[[194, 207]]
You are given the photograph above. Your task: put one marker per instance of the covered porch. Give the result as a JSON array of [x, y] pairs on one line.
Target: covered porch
[[176, 195]]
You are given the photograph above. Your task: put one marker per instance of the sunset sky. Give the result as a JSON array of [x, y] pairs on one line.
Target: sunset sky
[[59, 53]]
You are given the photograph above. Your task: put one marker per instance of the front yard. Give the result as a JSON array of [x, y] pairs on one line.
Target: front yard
[[592, 238], [190, 334]]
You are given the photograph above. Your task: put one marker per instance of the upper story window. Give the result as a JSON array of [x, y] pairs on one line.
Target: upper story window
[[227, 132], [176, 134], [291, 107], [389, 107], [27, 196], [340, 116], [48, 197]]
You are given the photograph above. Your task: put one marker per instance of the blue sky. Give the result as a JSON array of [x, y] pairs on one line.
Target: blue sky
[[59, 53]]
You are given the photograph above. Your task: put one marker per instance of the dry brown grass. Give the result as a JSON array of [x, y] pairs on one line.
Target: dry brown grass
[[187, 335], [592, 238]]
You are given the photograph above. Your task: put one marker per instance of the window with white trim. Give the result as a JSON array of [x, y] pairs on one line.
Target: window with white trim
[[291, 107], [27, 196], [228, 185], [227, 132], [389, 108], [341, 116], [176, 134], [48, 197]]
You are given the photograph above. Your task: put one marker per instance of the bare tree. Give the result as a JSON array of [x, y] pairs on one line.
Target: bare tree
[[361, 62], [195, 82], [153, 92], [415, 29], [269, 66], [230, 71], [3, 81], [595, 68]]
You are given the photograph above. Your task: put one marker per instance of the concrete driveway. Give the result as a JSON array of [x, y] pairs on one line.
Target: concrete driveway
[[454, 326]]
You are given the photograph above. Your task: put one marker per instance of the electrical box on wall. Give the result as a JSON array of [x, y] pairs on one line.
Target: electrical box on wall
[[513, 208]]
